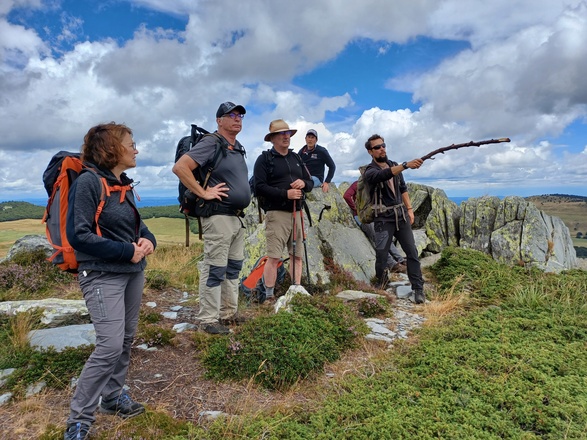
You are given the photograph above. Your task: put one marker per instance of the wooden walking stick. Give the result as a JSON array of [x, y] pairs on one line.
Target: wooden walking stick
[[467, 144]]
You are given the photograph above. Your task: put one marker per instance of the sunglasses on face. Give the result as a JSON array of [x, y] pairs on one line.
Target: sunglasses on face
[[285, 133], [377, 147], [235, 115]]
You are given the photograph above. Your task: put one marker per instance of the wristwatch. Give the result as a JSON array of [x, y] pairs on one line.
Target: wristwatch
[[405, 165]]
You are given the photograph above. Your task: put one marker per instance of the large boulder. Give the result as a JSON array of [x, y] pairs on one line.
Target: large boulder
[[437, 215], [30, 243], [514, 231]]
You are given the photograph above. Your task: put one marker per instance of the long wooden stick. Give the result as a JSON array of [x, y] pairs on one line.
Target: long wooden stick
[[467, 144]]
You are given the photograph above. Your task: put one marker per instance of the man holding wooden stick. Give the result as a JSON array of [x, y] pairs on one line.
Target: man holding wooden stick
[[396, 216]]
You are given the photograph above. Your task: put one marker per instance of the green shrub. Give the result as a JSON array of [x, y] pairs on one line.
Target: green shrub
[[373, 306], [477, 272], [149, 317], [157, 279], [154, 335], [55, 368], [280, 349]]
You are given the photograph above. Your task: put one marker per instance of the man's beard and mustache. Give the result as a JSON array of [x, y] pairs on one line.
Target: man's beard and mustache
[[381, 159]]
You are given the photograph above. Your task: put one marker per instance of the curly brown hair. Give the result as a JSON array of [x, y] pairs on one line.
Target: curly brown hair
[[103, 144]]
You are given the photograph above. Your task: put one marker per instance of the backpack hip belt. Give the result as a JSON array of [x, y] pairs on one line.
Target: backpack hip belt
[[381, 209]]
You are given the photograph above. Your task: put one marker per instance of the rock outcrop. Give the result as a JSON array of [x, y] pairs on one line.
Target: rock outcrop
[[512, 231]]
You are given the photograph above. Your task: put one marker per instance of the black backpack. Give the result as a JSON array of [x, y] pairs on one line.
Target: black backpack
[[184, 145]]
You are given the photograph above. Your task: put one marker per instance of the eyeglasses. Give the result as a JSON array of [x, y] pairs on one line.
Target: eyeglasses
[[134, 146], [235, 115], [377, 147], [285, 133]]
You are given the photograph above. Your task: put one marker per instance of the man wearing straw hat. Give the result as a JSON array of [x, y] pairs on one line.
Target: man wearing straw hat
[[281, 179]]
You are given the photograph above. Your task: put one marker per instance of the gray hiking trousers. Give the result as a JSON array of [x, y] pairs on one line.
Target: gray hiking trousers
[[113, 300]]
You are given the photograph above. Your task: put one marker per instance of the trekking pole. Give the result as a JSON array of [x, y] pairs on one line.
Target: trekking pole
[[293, 245], [305, 244]]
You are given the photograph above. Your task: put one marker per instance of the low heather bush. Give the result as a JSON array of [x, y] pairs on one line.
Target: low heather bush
[[373, 306], [29, 275], [154, 335], [278, 350]]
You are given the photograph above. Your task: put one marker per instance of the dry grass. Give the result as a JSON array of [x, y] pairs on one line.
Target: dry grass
[[174, 257], [444, 306], [12, 231], [30, 418], [20, 326], [169, 231]]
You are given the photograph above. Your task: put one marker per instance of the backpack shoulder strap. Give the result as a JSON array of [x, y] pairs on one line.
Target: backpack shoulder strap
[[105, 192], [220, 151], [269, 161]]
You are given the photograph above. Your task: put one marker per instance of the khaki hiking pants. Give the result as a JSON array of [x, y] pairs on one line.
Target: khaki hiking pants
[[224, 237]]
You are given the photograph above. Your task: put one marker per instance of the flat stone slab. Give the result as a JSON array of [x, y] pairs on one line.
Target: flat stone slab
[[353, 295], [62, 337], [55, 310], [403, 291]]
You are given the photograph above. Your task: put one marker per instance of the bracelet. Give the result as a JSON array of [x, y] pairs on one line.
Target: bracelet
[[410, 208]]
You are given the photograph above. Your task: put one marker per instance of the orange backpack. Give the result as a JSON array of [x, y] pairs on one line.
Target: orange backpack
[[60, 174]]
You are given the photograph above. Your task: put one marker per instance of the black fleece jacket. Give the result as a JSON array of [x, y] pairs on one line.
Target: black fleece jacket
[[274, 175], [120, 224]]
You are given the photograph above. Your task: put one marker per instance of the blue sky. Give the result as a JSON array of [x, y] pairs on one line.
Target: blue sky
[[424, 74]]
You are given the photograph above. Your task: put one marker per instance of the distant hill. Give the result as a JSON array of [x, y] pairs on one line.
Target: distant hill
[[19, 211], [557, 198], [10, 211]]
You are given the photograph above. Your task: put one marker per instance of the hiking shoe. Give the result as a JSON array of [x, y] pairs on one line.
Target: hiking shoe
[[402, 267], [235, 319], [419, 297], [122, 405], [216, 328], [77, 431]]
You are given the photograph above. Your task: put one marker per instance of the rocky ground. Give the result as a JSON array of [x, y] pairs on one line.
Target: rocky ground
[[171, 379]]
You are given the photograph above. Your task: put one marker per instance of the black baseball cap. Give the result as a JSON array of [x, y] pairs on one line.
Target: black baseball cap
[[227, 107]]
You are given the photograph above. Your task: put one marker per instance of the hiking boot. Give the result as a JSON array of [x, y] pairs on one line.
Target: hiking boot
[[216, 328], [235, 319], [122, 405], [402, 267], [397, 268], [77, 431], [419, 297]]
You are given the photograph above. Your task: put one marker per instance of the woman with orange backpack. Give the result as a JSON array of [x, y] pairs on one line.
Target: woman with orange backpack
[[110, 250]]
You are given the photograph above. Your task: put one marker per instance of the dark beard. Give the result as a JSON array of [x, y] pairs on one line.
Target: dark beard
[[381, 159]]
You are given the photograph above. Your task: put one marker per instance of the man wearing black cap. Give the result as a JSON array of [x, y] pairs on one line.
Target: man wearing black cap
[[223, 232], [315, 157]]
